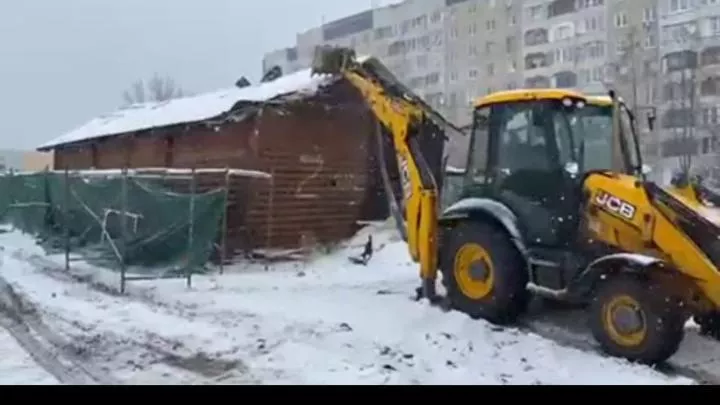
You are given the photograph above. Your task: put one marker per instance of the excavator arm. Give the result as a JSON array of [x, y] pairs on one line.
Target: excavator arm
[[403, 117]]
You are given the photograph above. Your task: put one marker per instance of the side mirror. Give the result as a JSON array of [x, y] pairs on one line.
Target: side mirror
[[572, 168]]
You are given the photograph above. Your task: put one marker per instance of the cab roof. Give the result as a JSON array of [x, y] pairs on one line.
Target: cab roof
[[599, 100], [526, 95]]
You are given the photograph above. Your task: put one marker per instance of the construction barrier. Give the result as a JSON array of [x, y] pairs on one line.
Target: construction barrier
[[129, 220]]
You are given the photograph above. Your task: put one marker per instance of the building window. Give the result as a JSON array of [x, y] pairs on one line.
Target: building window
[[621, 20], [677, 6], [490, 69], [490, 24], [650, 95], [715, 25], [562, 32], [536, 13], [588, 3], [435, 17], [489, 47], [536, 37], [649, 14], [650, 41]]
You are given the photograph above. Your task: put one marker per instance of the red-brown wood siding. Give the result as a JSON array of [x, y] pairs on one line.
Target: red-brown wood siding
[[317, 151]]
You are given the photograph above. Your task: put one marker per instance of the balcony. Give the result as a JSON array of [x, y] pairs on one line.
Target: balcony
[[710, 59], [677, 118], [538, 82], [565, 79], [536, 36], [680, 60], [537, 60]]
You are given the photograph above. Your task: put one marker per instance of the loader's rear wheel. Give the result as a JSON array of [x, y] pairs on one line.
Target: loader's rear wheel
[[484, 274], [635, 319]]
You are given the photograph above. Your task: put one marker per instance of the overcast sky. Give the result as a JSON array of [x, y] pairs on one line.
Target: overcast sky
[[64, 61]]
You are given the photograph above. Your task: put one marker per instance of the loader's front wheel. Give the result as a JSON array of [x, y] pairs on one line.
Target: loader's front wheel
[[635, 319], [484, 274]]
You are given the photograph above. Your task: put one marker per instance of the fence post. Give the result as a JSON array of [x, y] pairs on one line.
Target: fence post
[[11, 200], [123, 228], [66, 219], [191, 226], [223, 236]]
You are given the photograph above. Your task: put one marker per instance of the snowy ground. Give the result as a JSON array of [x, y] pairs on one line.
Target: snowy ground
[[17, 367], [321, 322]]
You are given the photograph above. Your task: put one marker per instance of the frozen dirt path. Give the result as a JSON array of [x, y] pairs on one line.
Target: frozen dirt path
[[17, 367]]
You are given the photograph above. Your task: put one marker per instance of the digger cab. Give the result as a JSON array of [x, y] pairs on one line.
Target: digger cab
[[531, 149]]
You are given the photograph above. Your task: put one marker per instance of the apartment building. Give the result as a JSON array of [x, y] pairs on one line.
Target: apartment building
[[565, 44], [448, 51], [633, 67], [408, 37], [689, 109], [482, 52], [286, 58], [453, 51]]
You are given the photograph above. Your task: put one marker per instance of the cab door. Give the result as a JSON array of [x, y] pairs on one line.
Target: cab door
[[528, 152]]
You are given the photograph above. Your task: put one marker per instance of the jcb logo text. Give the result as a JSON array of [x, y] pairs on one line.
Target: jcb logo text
[[615, 205]]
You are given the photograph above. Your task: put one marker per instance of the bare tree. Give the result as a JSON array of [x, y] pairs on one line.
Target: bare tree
[[158, 88], [685, 106], [634, 71]]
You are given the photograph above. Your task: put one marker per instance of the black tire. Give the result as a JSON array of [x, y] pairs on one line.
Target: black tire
[[508, 297], [663, 322]]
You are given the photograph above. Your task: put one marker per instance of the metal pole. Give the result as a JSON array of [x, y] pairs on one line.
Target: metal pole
[[223, 236], [66, 219], [191, 224], [271, 200], [123, 229]]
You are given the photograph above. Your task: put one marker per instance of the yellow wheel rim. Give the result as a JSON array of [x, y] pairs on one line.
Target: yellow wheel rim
[[474, 272], [624, 321]]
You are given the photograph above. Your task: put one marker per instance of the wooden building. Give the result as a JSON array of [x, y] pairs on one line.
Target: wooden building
[[313, 135]]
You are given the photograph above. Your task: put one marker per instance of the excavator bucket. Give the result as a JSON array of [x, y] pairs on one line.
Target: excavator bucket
[[331, 60]]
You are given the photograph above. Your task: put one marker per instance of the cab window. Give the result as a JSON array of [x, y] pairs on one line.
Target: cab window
[[523, 138], [477, 156]]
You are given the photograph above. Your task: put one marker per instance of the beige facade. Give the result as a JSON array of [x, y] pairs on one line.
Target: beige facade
[[36, 161]]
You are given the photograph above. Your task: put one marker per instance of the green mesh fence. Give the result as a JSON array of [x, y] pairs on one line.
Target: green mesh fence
[[165, 233]]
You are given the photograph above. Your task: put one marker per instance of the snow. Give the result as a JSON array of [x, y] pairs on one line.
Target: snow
[[712, 214], [189, 109], [640, 259], [157, 172], [17, 367], [454, 170], [323, 321]]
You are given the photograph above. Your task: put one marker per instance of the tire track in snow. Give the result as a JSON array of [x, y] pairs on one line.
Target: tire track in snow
[[698, 357], [17, 317], [549, 325], [139, 352]]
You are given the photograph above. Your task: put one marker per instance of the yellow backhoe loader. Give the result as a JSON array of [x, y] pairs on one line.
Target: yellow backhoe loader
[[556, 203]]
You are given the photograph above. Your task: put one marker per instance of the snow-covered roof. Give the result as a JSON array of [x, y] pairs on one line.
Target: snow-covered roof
[[138, 117], [198, 108]]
